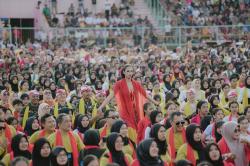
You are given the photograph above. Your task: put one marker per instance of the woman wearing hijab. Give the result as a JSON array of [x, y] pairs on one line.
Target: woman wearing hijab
[[19, 147], [115, 154], [41, 155], [82, 125], [148, 154], [14, 83], [91, 142], [214, 101], [158, 133], [90, 160], [193, 149], [59, 157], [121, 127], [213, 155], [245, 93], [231, 147], [32, 125], [155, 117], [166, 86]]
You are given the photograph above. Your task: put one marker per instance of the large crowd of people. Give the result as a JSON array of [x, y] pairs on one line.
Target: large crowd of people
[[125, 106], [68, 102]]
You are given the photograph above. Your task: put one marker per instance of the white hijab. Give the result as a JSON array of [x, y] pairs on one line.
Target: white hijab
[[235, 146]]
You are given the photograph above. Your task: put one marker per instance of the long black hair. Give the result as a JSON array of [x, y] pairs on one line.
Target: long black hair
[[190, 130], [219, 162]]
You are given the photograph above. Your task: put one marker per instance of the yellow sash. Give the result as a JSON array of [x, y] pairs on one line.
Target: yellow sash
[[56, 111], [82, 109], [25, 116], [245, 97]]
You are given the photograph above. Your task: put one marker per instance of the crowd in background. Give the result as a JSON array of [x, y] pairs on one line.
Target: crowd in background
[[197, 110]]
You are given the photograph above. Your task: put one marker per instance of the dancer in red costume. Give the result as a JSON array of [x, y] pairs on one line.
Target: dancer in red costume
[[130, 97]]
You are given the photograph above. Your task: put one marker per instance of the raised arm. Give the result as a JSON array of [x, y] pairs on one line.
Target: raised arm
[[106, 101]]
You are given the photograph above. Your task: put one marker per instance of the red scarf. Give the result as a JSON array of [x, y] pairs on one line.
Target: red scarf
[[213, 132], [59, 142], [111, 160], [171, 141], [104, 131], [8, 135], [91, 147], [42, 134], [130, 104], [190, 154], [11, 156]]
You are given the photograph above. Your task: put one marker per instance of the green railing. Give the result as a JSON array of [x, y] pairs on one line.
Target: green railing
[[129, 36]]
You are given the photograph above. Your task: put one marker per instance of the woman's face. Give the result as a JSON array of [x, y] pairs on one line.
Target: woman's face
[[162, 134], [214, 153], [62, 158], [153, 150], [45, 151], [167, 78], [85, 121], [219, 115], [226, 89], [234, 108], [53, 87], [25, 86], [217, 85], [236, 133], [158, 118], [124, 130], [23, 145], [118, 144], [172, 108], [205, 85], [94, 163], [248, 113], [35, 125], [244, 125], [15, 80], [248, 81], [128, 72], [197, 84], [197, 135]]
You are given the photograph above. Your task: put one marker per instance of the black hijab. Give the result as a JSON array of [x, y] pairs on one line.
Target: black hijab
[[143, 154], [190, 130], [91, 137], [218, 136], [15, 146], [167, 83], [117, 156], [54, 155], [37, 159], [153, 116], [14, 86], [215, 163], [79, 127], [116, 127], [162, 145], [247, 85], [28, 127]]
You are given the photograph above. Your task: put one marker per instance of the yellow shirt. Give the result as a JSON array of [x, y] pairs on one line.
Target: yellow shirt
[[66, 141], [3, 138], [35, 136], [127, 149], [177, 139], [166, 158], [182, 153], [6, 159], [104, 160]]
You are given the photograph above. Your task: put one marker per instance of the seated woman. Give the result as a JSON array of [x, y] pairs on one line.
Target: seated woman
[[59, 156], [91, 142], [20, 147], [232, 148], [213, 155], [193, 149], [115, 154], [148, 154], [158, 133], [121, 127]]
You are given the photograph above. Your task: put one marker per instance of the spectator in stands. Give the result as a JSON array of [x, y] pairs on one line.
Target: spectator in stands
[[46, 12]]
